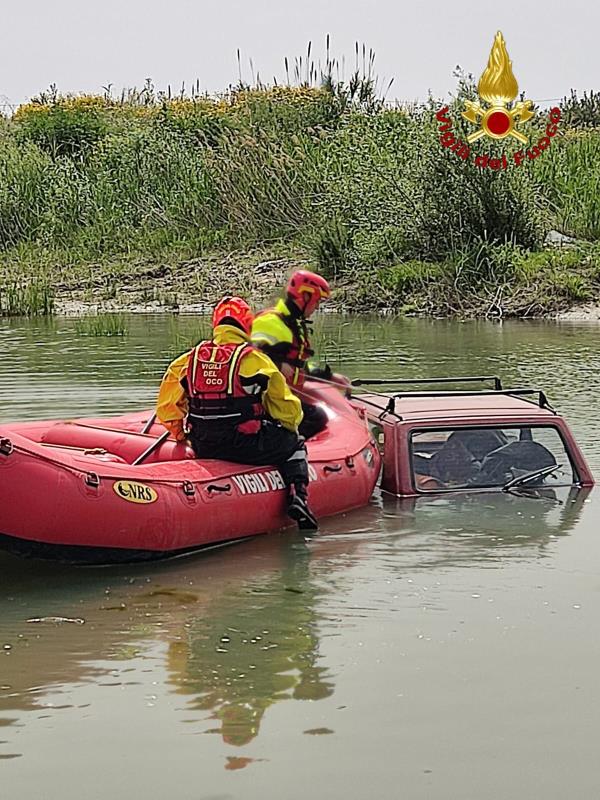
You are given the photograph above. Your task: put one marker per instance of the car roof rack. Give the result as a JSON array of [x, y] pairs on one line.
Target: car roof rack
[[422, 381], [533, 396], [521, 394]]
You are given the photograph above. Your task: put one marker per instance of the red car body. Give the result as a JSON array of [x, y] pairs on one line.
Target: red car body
[[402, 415]]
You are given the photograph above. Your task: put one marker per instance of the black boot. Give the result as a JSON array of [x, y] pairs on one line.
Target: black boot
[[297, 508]]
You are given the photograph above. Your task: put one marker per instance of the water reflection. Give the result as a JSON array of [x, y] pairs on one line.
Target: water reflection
[[254, 648], [478, 529], [242, 629], [235, 644]]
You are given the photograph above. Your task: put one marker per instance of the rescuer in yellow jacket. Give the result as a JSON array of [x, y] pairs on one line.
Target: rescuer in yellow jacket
[[282, 333], [233, 403]]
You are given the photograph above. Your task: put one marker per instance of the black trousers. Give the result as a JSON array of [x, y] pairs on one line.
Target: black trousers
[[272, 444], [314, 421]]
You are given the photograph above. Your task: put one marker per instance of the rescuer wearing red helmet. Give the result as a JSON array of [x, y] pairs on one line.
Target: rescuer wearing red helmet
[[282, 333], [237, 406]]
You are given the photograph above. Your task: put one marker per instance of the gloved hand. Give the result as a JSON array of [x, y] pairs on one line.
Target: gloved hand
[[322, 373]]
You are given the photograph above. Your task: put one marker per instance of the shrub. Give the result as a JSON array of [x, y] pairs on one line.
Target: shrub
[[569, 286], [409, 276], [26, 177], [485, 264], [570, 179], [62, 125], [328, 245], [581, 112]]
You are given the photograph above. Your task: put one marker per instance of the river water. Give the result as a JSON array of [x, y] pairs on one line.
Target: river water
[[444, 648]]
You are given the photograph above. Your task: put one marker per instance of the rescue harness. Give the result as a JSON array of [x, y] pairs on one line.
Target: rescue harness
[[217, 392]]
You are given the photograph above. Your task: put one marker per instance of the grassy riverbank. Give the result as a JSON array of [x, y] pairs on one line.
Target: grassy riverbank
[[149, 200]]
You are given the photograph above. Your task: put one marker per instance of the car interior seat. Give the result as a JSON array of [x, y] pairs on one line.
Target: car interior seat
[[510, 460], [460, 456]]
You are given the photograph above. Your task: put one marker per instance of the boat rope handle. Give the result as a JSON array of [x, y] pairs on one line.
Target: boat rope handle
[[92, 479], [6, 447], [214, 487]]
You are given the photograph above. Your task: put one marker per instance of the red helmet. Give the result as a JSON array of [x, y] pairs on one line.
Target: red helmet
[[235, 311], [306, 290]]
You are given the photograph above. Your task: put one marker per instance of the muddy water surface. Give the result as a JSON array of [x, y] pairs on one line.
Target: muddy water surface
[[432, 649]]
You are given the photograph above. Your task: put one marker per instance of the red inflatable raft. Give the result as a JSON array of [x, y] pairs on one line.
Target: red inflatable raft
[[69, 490]]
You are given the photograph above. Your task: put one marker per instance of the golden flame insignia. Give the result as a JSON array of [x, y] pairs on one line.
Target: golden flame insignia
[[498, 87], [498, 84]]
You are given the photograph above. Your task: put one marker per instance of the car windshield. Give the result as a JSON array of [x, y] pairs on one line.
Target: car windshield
[[488, 457]]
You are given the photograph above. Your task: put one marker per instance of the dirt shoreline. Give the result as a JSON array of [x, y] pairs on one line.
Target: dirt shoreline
[[149, 288], [77, 308], [590, 312]]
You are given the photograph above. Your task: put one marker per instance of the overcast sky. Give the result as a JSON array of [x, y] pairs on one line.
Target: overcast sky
[[82, 45]]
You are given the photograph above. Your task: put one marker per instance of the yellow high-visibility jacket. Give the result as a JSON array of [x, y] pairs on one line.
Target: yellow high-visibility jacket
[[277, 399], [287, 345]]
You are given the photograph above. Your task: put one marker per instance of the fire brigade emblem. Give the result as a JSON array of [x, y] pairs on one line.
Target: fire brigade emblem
[[498, 88]]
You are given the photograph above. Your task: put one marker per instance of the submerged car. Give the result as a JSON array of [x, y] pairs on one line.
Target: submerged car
[[471, 440]]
